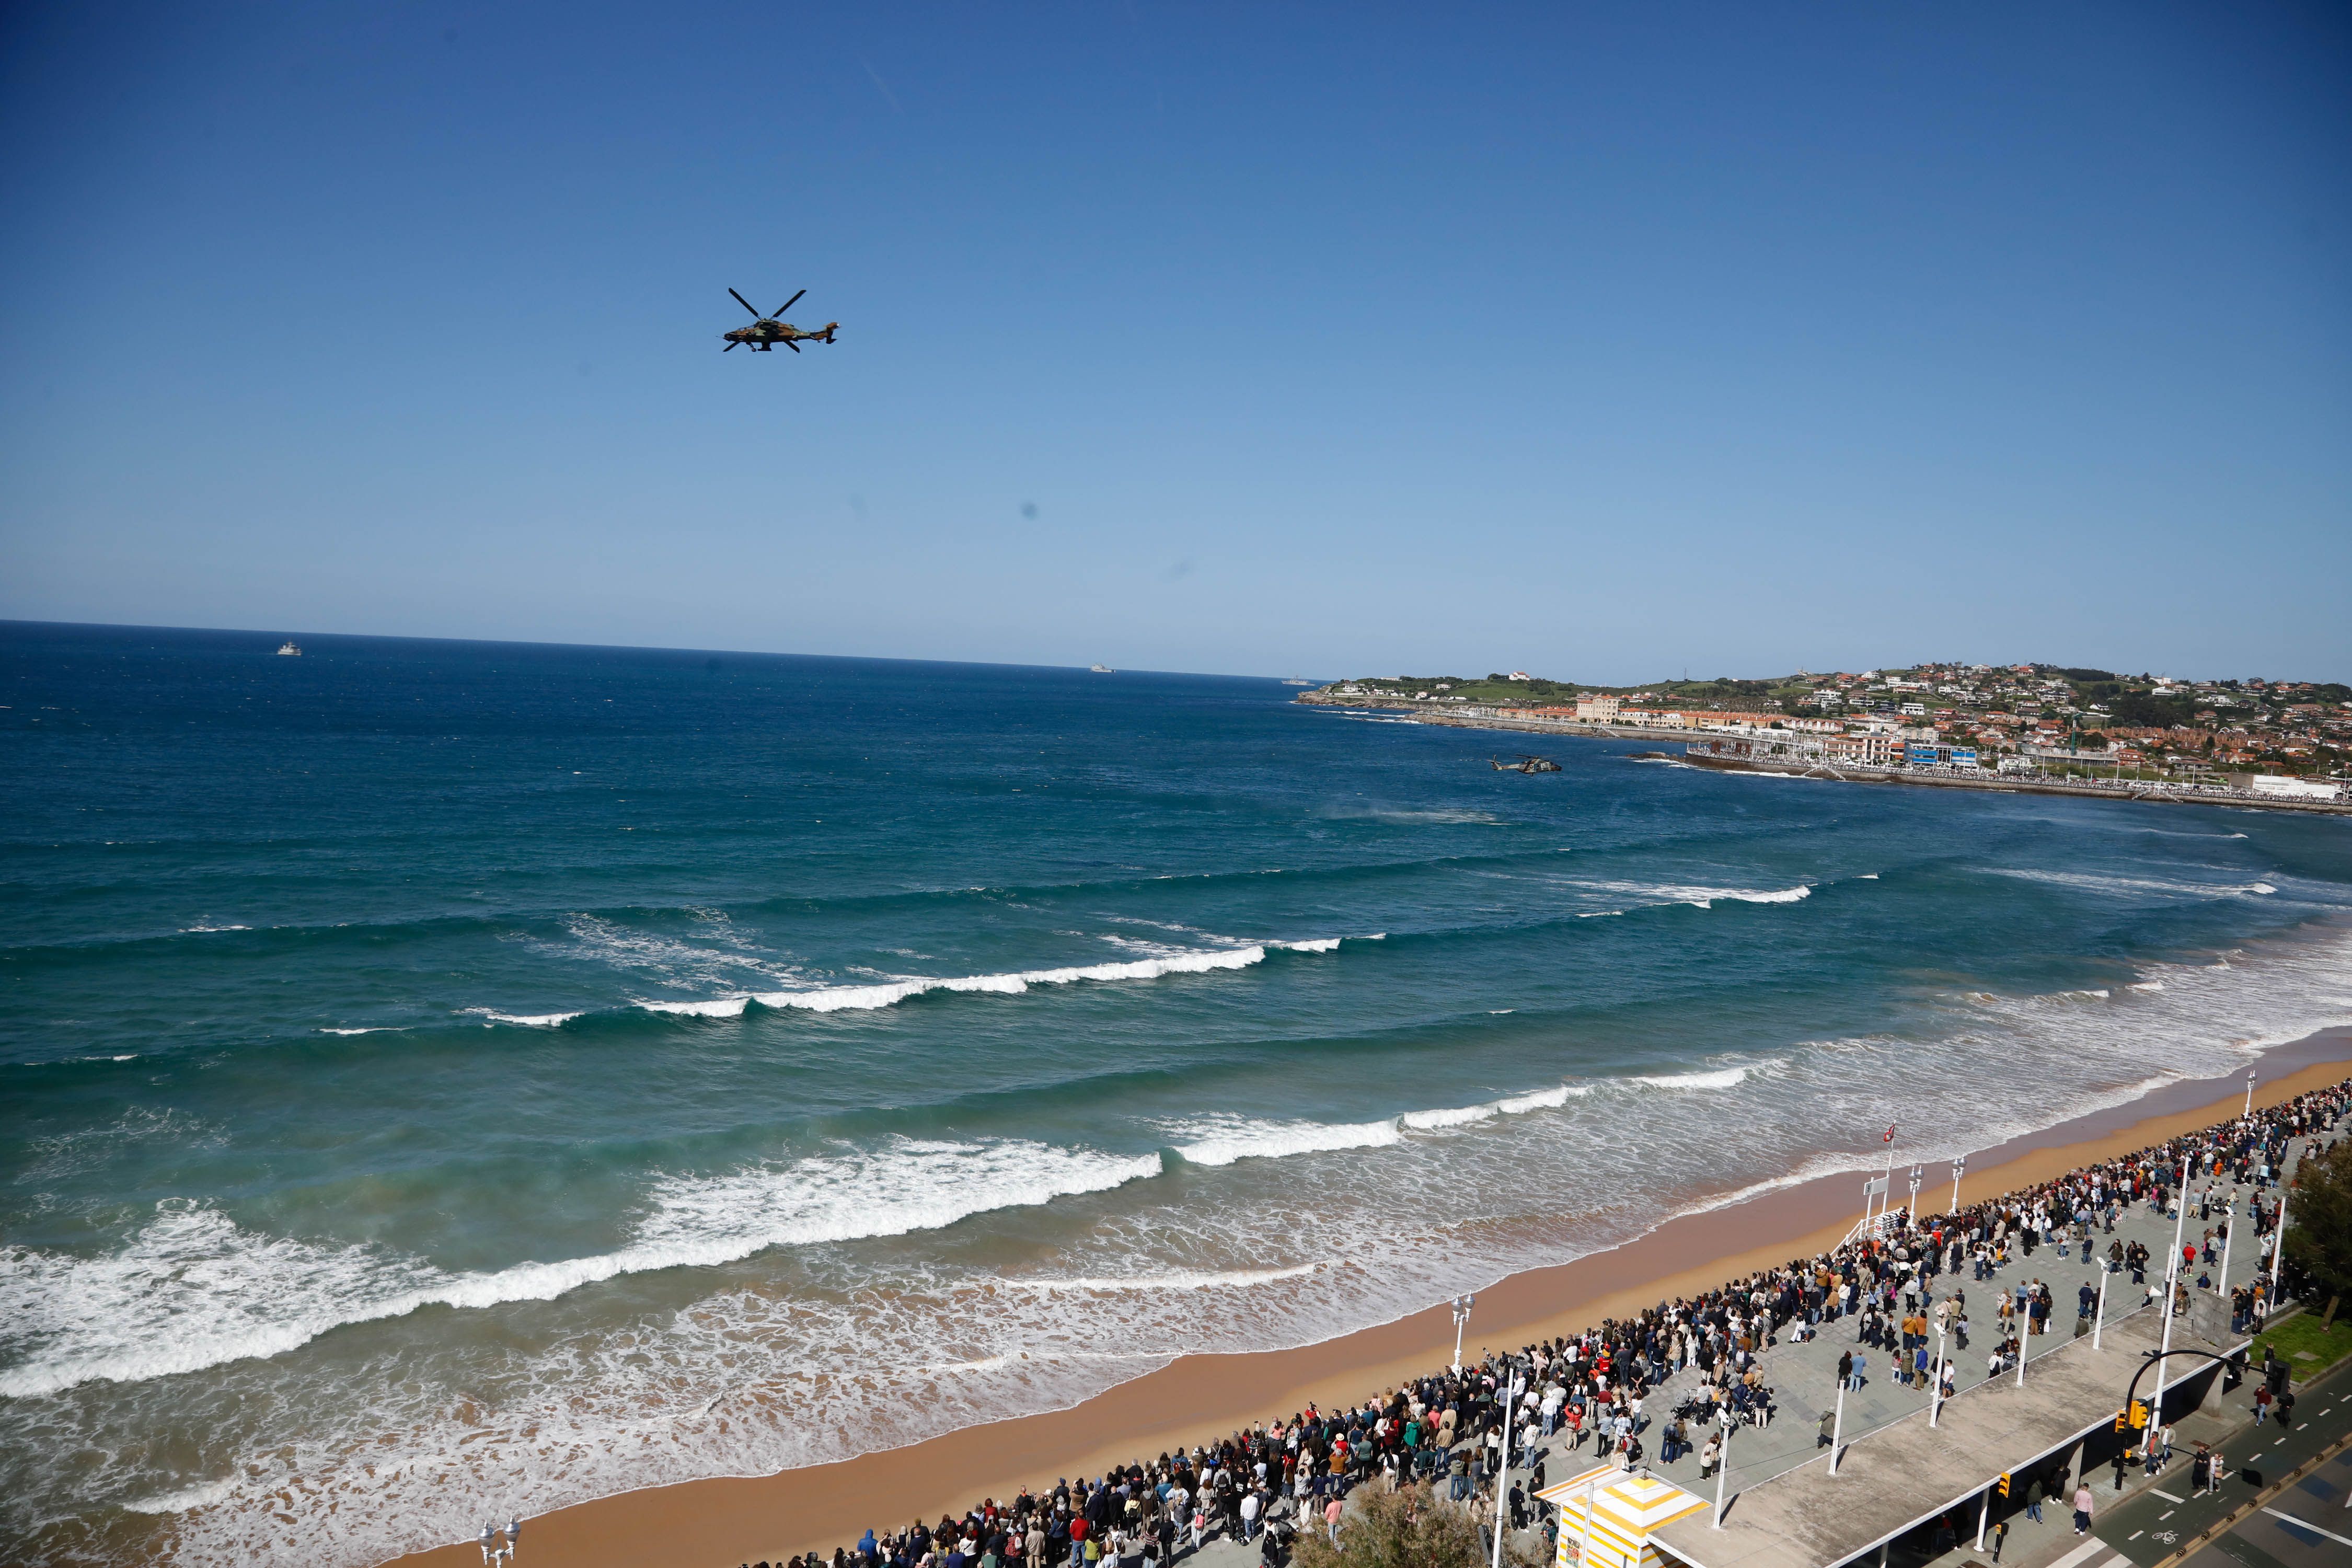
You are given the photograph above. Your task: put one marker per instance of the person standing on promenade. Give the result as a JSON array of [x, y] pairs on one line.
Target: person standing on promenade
[[2082, 1508]]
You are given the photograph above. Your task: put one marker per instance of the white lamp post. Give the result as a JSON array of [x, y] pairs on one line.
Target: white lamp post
[[2229, 1235], [1958, 1165], [1935, 1395], [1911, 1215], [1723, 1467], [2100, 1321], [2278, 1239], [2249, 1094], [2172, 1264], [1503, 1474], [1837, 1428], [1461, 1305]]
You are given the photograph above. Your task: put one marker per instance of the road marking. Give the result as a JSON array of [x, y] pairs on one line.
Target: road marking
[[2166, 1495], [2081, 1554], [2307, 1524]]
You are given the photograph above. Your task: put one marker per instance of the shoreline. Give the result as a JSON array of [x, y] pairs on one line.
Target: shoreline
[[1204, 1397], [1577, 730]]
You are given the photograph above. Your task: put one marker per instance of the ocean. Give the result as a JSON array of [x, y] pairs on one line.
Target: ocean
[[444, 1080]]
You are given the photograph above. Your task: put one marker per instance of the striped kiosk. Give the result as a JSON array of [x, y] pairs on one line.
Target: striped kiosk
[[1617, 1510]]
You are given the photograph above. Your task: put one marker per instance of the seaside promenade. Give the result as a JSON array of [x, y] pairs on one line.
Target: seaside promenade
[[1896, 1471]]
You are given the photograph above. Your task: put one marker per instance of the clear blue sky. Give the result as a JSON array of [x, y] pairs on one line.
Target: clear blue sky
[[1602, 340]]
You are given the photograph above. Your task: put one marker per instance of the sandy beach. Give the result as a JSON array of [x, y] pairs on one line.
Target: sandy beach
[[1203, 1397]]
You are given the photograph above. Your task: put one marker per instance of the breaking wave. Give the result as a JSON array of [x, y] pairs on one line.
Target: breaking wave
[[2130, 887], [1695, 896], [1726, 1078], [1222, 1140], [193, 1289], [890, 992]]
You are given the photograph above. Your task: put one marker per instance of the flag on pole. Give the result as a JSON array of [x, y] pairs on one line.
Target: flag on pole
[[1890, 1136]]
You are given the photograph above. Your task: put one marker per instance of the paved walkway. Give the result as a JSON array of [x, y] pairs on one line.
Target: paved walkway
[[1804, 1377]]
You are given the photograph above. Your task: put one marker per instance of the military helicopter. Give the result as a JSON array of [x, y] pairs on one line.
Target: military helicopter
[[1526, 764], [766, 331]]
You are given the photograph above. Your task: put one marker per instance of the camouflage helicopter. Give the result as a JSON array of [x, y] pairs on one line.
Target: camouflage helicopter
[[766, 331]]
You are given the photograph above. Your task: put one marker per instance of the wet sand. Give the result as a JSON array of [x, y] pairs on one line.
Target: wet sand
[[1201, 1398]]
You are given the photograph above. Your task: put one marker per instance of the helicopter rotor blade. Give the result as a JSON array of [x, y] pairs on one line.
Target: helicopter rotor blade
[[791, 346], [746, 305], [787, 304], [730, 348]]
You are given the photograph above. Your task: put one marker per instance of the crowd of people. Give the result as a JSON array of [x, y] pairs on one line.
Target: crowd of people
[[1453, 1427]]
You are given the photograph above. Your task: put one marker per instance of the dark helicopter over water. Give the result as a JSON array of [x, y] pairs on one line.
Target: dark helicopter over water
[[766, 331], [1526, 764]]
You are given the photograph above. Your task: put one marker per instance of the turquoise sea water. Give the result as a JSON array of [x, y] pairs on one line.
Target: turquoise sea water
[[445, 1079]]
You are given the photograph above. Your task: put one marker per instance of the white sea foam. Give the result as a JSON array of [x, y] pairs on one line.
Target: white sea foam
[[715, 1008], [186, 1499], [204, 930], [1221, 1140], [1189, 1279], [1456, 1116], [373, 1030], [1697, 897], [527, 1020], [1543, 1099], [2134, 887], [192, 1288], [889, 994], [1723, 1078]]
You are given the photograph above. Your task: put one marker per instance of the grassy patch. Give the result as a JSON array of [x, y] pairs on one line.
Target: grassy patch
[[2302, 1332]]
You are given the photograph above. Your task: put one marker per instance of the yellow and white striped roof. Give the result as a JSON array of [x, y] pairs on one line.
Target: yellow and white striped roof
[[1626, 1507]]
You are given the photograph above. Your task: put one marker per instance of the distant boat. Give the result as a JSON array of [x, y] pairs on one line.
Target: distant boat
[[1294, 681], [287, 650], [1099, 669]]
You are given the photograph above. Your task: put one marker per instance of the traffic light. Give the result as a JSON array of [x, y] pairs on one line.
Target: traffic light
[[2003, 1483], [2122, 1419], [2139, 1413]]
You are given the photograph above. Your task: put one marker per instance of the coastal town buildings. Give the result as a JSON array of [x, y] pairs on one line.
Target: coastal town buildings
[[2062, 722]]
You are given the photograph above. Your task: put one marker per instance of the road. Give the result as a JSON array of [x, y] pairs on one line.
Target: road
[[2304, 1525]]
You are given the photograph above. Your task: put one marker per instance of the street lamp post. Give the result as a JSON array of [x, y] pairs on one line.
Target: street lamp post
[[1911, 1215], [1461, 1305], [2250, 1093], [1958, 1165], [1935, 1395], [2172, 1264], [2100, 1321], [1837, 1428], [1514, 1385], [1722, 1468], [2278, 1237], [2229, 1235]]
